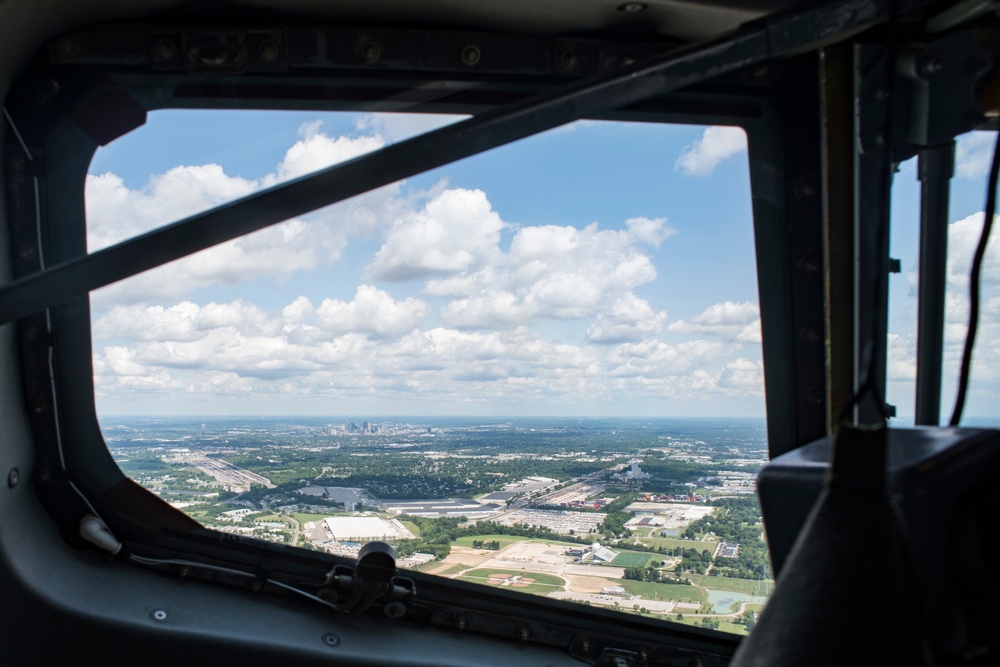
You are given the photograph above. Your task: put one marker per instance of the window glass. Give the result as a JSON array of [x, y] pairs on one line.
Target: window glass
[[537, 369], [973, 153]]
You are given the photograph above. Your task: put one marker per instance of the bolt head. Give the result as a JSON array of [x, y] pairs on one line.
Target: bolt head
[[471, 55], [13, 477], [330, 639], [269, 50], [159, 615], [371, 52]]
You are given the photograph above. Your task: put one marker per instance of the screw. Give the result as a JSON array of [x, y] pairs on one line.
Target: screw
[[524, 634], [159, 615], [13, 477], [26, 251], [371, 52], [331, 639], [184, 572], [471, 55], [164, 49], [931, 65], [66, 47], [394, 610], [632, 7], [39, 406], [461, 622], [269, 50], [569, 59], [584, 646], [643, 656]]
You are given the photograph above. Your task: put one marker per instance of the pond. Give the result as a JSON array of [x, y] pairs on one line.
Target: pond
[[723, 601]]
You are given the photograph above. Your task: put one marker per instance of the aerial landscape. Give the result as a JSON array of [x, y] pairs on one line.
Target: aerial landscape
[[652, 516]]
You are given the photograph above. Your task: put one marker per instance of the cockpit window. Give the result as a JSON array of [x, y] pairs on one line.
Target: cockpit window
[[537, 369]]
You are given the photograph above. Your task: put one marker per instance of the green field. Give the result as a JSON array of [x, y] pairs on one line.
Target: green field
[[749, 586], [412, 527], [543, 584], [654, 591], [454, 569], [632, 559], [504, 540], [302, 518], [674, 543]]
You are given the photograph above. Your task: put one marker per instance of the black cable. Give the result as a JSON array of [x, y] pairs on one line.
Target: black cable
[[974, 288]]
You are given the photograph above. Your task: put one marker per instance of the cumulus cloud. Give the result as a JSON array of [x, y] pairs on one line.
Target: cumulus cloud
[[973, 153], [556, 272], [116, 212], [629, 319], [457, 231], [716, 144], [373, 312], [739, 321]]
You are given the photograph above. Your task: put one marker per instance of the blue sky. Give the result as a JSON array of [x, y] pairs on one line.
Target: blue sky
[[598, 269]]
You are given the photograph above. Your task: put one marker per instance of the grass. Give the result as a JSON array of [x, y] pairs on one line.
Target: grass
[[543, 584], [632, 559], [303, 518], [674, 543], [748, 586], [653, 591], [504, 540], [540, 578], [454, 569], [412, 527]]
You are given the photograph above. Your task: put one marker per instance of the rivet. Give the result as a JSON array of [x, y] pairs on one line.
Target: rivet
[[461, 622], [67, 47], [164, 49], [524, 634], [569, 59], [584, 646], [39, 406], [330, 639], [371, 52], [13, 477], [633, 7], [471, 55], [159, 615], [394, 609], [184, 572], [269, 50]]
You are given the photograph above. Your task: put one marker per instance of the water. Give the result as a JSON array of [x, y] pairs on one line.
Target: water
[[723, 601]]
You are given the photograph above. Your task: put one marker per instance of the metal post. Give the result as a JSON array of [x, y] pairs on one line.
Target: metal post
[[935, 168]]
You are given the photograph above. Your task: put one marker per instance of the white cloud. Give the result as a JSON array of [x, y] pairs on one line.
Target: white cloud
[[115, 212], [457, 231], [630, 319], [716, 143], [373, 312], [973, 153], [963, 237], [740, 321]]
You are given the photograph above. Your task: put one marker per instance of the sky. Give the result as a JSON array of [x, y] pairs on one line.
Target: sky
[[600, 269]]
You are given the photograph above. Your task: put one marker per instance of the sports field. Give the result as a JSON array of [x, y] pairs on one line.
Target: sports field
[[632, 559], [526, 582], [748, 586], [653, 591]]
